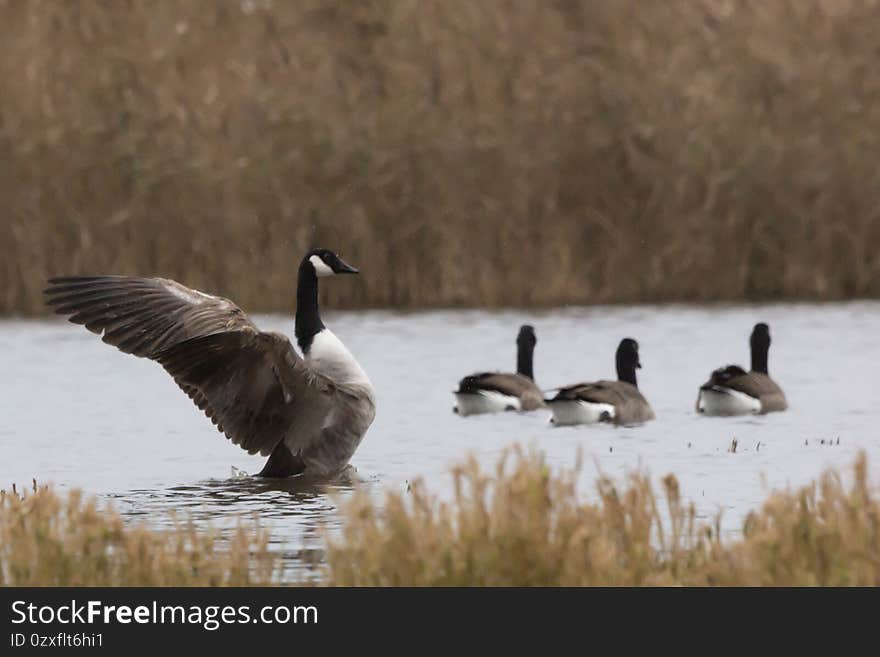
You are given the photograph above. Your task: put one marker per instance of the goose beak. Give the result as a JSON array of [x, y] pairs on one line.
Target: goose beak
[[345, 268]]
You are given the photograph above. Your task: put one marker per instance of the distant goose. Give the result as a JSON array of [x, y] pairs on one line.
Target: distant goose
[[619, 402], [307, 415], [733, 391], [492, 392]]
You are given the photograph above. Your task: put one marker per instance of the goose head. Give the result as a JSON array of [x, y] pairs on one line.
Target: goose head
[[526, 337], [760, 345], [627, 360], [628, 353], [760, 336], [326, 263], [525, 348]]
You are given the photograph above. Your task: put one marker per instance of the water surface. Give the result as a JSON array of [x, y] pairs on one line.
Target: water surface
[[78, 413]]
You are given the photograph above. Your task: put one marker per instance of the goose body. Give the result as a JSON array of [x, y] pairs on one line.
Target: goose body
[[485, 401], [731, 390], [570, 409], [616, 402], [495, 392], [307, 413]]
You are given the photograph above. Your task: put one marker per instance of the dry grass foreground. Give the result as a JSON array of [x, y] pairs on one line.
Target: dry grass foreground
[[521, 526], [527, 526], [49, 540], [511, 152]]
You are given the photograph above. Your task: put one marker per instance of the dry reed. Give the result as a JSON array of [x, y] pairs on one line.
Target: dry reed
[[527, 526], [523, 525], [49, 540], [512, 152]]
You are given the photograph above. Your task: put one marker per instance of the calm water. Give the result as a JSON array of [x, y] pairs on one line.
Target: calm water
[[77, 413]]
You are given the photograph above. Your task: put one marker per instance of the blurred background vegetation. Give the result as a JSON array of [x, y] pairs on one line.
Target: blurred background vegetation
[[507, 152]]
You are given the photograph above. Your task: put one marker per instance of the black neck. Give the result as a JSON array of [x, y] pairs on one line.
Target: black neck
[[308, 317], [626, 372], [759, 358], [524, 354]]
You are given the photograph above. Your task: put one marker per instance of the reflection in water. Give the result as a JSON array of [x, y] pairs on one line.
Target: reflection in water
[[222, 504], [119, 427]]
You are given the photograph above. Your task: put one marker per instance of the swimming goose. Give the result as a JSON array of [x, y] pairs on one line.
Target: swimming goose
[[733, 391], [491, 392], [619, 402], [307, 414]]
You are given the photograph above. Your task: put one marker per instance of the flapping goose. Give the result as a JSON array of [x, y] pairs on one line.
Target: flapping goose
[[733, 391], [619, 402], [492, 392], [307, 414]]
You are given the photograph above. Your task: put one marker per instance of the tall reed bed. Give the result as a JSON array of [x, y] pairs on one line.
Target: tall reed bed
[[511, 152]]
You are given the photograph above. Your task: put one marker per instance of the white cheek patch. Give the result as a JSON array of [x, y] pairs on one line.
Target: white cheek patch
[[321, 267]]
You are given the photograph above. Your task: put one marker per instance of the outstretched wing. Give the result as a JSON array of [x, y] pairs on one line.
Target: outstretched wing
[[253, 386], [142, 316]]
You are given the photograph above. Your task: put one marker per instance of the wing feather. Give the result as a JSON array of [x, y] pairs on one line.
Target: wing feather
[[142, 316], [507, 384], [253, 386]]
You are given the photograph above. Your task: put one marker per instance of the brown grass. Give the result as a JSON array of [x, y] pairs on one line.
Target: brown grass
[[523, 525], [50, 540], [510, 152], [527, 526]]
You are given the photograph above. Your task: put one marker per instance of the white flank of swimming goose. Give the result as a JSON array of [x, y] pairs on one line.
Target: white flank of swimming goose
[[493, 392], [617, 402], [307, 414], [733, 391]]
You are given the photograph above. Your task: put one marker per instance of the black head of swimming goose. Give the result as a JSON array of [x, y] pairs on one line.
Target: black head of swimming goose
[[525, 350], [759, 342], [627, 361]]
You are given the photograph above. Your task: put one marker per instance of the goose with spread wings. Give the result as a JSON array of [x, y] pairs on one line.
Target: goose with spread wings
[[307, 413]]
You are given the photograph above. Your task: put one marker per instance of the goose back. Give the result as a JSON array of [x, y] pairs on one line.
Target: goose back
[[515, 386], [628, 403], [746, 386]]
